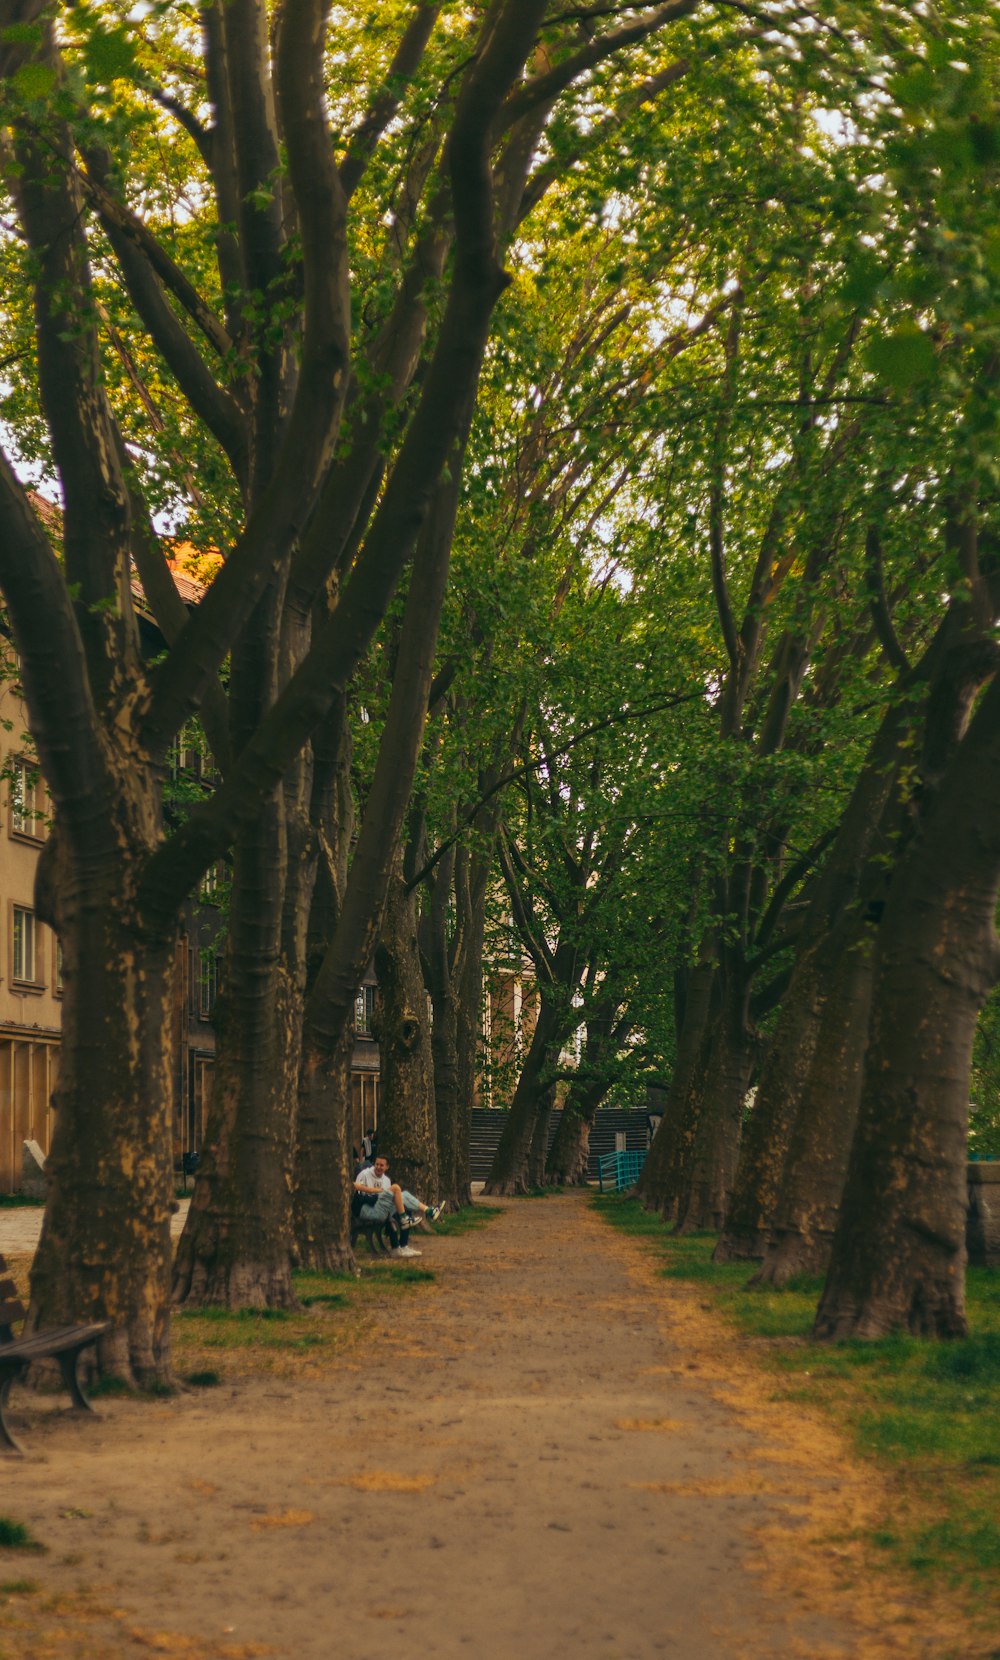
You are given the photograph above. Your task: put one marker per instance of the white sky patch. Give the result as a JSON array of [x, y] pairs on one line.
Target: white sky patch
[[835, 125]]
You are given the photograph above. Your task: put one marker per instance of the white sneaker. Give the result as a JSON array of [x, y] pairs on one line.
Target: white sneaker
[[405, 1251]]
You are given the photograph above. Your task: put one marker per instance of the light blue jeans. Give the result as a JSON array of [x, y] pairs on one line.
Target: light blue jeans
[[382, 1208]]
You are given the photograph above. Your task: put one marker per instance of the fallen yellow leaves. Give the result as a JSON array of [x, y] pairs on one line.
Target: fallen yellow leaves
[[666, 1425], [388, 1481], [287, 1518]]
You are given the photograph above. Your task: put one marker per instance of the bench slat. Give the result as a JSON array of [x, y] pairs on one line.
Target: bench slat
[[55, 1342]]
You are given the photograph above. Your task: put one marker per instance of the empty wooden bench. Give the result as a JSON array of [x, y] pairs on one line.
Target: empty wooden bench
[[63, 1344]]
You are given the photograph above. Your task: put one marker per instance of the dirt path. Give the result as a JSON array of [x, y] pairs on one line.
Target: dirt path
[[535, 1461]]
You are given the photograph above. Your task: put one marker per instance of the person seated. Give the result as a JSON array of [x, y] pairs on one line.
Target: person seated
[[377, 1199]]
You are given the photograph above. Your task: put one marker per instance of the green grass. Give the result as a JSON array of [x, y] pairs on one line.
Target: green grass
[[332, 1310], [14, 1200], [467, 1220], [109, 1386], [929, 1412], [15, 1536], [18, 1587]]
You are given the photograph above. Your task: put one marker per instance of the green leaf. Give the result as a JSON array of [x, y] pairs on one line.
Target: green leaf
[[34, 81], [864, 274], [21, 34], [110, 56], [902, 358], [917, 88]]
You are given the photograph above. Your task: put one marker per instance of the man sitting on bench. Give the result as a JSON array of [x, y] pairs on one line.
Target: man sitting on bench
[[382, 1200]]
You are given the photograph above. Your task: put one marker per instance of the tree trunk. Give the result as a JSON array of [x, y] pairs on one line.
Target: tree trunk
[[765, 1141], [105, 1249], [469, 1001], [447, 1100], [655, 1176], [455, 979], [567, 1162], [511, 1171], [899, 1252], [791, 1048], [322, 1173], [704, 1196], [407, 1128], [236, 1248], [539, 1148], [812, 1183], [684, 1138]]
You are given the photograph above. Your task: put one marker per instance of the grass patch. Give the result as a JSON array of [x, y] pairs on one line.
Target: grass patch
[[467, 1220], [15, 1201], [203, 1380], [109, 1386], [930, 1412], [332, 1316], [18, 1587], [15, 1536]]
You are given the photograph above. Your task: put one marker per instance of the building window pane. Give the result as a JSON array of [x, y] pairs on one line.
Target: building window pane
[[25, 798], [364, 1010], [208, 983], [24, 944]]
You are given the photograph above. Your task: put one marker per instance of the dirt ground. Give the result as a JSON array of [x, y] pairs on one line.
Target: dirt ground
[[549, 1450]]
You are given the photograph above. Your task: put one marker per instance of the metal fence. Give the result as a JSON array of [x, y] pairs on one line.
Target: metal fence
[[618, 1171]]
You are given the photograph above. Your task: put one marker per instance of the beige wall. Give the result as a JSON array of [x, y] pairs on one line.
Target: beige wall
[[29, 1006]]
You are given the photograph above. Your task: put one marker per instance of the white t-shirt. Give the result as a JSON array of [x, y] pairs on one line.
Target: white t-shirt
[[368, 1178]]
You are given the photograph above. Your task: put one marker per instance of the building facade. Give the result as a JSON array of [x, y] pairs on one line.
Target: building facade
[[30, 977]]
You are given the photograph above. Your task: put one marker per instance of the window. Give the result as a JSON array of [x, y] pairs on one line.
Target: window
[[208, 983], [213, 884], [23, 936], [26, 812], [364, 1011], [57, 980]]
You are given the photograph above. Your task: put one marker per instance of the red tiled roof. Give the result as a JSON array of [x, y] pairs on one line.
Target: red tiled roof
[[181, 555]]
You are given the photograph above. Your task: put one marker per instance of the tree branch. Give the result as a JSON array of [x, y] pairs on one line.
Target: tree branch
[[210, 401], [115, 215], [514, 773], [361, 143], [878, 603], [542, 89], [53, 669]]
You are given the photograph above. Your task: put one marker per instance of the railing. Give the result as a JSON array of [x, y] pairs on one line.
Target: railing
[[618, 1171]]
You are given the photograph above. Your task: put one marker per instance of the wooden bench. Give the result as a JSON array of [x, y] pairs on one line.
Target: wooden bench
[[377, 1234], [64, 1344]]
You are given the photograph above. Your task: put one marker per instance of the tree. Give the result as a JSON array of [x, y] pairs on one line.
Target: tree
[[267, 366]]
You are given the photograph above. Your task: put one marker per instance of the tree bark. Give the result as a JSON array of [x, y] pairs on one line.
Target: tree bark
[[469, 1001], [323, 1176], [655, 1178], [812, 1182], [407, 1127], [790, 1050], [899, 1252], [236, 1247], [567, 1162], [703, 1196], [105, 1248], [511, 1170]]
